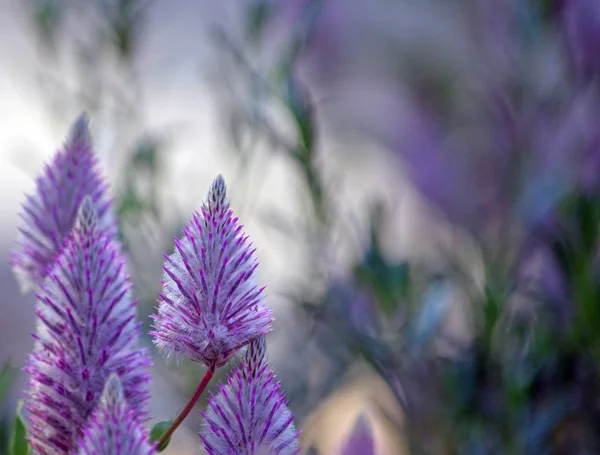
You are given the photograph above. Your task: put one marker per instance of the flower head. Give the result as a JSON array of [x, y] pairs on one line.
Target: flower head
[[113, 428], [249, 416], [86, 331], [49, 213], [210, 306], [360, 440]]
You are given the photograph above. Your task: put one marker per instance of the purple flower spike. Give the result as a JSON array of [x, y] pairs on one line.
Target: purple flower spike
[[113, 428], [249, 416], [210, 306], [360, 441], [86, 331], [49, 213]]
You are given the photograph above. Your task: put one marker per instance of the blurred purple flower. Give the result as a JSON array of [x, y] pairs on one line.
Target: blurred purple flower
[[249, 416], [86, 331], [581, 22], [210, 306], [49, 213], [113, 428], [540, 276], [350, 309], [576, 141], [360, 441], [463, 180], [508, 168], [563, 156]]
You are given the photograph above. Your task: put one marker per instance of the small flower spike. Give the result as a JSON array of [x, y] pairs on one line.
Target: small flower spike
[[360, 441], [86, 331], [249, 416], [48, 214], [113, 428], [210, 306], [255, 358]]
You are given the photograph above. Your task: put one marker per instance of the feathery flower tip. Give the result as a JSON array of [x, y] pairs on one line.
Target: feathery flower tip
[[256, 357], [86, 331], [210, 306], [112, 429], [48, 214], [249, 416], [80, 131], [217, 192]]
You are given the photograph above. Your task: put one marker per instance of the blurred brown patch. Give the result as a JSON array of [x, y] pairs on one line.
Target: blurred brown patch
[[368, 394]]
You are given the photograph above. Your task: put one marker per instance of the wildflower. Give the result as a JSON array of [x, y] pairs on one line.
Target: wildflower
[[48, 214], [360, 440], [113, 428], [249, 416], [86, 331], [210, 306], [581, 25]]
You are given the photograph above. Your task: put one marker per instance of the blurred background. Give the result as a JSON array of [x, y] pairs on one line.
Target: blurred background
[[420, 178]]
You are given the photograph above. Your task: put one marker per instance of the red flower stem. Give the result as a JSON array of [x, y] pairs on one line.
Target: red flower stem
[[188, 407]]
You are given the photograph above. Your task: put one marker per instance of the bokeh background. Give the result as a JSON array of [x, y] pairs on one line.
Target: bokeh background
[[420, 179]]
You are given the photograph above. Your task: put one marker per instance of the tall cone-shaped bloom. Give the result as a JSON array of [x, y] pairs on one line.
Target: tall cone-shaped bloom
[[86, 331], [249, 416], [48, 214], [210, 306], [113, 428]]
